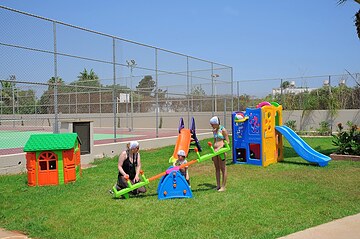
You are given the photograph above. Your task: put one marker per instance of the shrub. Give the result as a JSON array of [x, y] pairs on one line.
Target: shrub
[[324, 128], [291, 124], [348, 142]]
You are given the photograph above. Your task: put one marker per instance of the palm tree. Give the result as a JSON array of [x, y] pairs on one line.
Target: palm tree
[[51, 82], [7, 88], [285, 84], [357, 16], [88, 79], [6, 92]]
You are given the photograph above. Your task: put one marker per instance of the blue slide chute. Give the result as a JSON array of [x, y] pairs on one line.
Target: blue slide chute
[[302, 148]]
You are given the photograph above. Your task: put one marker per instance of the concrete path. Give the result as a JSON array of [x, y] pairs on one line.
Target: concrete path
[[347, 227], [11, 235]]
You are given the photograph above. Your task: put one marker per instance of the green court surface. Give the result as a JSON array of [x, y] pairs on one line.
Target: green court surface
[[18, 139]]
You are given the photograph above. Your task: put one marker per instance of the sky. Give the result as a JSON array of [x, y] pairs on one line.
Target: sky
[[259, 39]]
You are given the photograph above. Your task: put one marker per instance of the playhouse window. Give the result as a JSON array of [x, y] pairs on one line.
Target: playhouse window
[[43, 165], [47, 161], [52, 165]]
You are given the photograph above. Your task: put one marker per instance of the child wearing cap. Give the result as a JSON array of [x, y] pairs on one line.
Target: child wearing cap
[[180, 161], [220, 134]]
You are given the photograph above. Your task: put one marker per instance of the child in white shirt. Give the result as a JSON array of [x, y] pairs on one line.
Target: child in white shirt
[[180, 161]]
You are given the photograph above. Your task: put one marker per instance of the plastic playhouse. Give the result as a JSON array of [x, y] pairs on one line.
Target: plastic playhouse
[[52, 159], [257, 137], [186, 138], [172, 183]]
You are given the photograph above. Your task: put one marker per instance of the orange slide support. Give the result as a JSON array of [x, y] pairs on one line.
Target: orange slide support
[[182, 142]]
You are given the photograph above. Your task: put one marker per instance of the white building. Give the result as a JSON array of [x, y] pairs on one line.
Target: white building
[[292, 89]]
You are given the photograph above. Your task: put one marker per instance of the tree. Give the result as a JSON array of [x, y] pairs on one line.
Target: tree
[[15, 100], [6, 92], [52, 81], [197, 91], [198, 99], [162, 93], [357, 23], [26, 102], [357, 16], [146, 86], [89, 81], [9, 94], [46, 101], [285, 84]]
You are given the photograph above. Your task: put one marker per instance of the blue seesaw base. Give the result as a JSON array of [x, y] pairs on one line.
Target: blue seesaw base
[[173, 185]]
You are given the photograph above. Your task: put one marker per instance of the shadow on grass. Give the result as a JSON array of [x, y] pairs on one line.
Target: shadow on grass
[[141, 195], [205, 187], [290, 151], [298, 163], [229, 162]]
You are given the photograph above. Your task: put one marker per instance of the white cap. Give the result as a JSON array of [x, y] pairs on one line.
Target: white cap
[[134, 144], [181, 153], [214, 120]]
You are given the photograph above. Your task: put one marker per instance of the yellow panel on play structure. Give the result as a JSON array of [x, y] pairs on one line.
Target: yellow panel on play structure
[[271, 116]]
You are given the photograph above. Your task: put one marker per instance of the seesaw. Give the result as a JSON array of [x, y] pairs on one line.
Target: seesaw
[[172, 183]]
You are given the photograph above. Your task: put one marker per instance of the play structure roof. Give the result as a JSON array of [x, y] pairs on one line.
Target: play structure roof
[[43, 142]]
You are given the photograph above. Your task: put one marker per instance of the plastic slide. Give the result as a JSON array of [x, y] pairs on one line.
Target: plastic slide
[[302, 148], [182, 142]]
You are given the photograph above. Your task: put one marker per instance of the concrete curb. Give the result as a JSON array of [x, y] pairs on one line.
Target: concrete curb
[[11, 235], [347, 227]]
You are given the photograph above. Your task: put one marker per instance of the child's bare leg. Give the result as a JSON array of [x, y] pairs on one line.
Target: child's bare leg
[[224, 174], [217, 171]]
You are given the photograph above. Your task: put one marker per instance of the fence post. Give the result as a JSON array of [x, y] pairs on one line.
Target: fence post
[[113, 92], [156, 93], [225, 112], [187, 91], [56, 121], [232, 90], [238, 95]]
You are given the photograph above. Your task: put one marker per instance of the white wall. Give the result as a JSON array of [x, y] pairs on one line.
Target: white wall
[[17, 163]]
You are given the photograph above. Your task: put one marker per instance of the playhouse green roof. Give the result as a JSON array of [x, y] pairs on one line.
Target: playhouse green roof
[[43, 142]]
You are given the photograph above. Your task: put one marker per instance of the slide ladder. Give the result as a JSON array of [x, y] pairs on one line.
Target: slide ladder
[[185, 138]]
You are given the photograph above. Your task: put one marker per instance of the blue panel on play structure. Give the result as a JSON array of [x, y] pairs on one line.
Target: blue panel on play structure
[[247, 140], [173, 185]]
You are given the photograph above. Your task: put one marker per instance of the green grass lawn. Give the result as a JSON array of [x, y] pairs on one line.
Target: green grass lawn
[[259, 202]]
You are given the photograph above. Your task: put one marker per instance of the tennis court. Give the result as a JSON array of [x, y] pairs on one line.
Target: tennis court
[[12, 140], [18, 139]]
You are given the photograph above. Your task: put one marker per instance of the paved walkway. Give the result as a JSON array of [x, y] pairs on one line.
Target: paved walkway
[[344, 228], [11, 235], [347, 227]]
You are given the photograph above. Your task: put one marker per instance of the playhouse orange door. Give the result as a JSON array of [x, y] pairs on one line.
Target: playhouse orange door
[[48, 169]]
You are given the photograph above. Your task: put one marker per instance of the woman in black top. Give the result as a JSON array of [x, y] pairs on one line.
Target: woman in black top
[[129, 166]]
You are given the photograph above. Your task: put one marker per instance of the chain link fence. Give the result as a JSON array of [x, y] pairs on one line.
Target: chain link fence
[[298, 93], [53, 71]]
